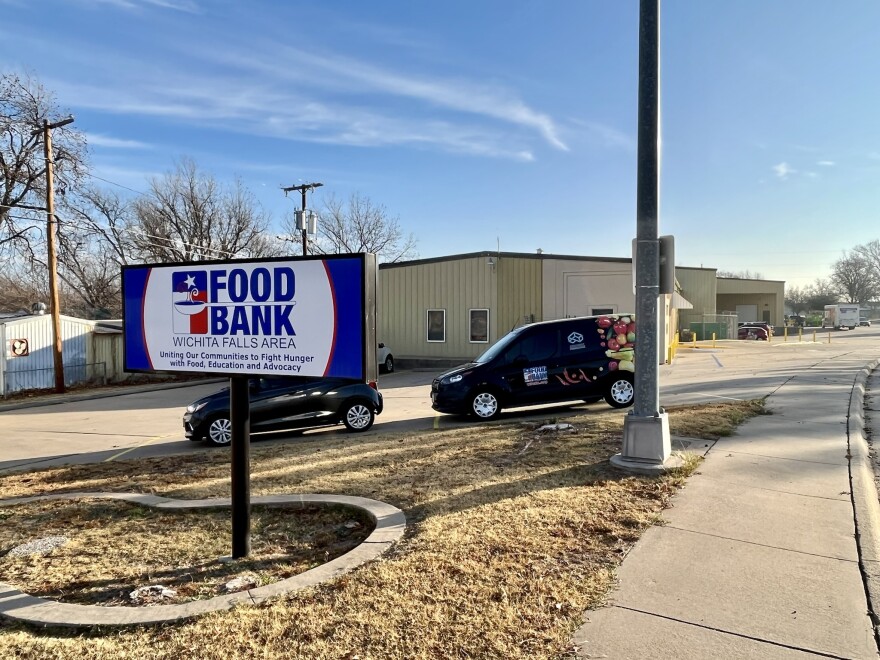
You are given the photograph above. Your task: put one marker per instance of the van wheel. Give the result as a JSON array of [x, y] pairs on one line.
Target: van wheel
[[485, 405], [389, 364], [620, 392]]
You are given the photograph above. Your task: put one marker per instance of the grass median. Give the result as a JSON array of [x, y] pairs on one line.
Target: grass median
[[512, 533]]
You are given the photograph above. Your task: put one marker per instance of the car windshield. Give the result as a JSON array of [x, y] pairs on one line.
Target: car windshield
[[498, 347]]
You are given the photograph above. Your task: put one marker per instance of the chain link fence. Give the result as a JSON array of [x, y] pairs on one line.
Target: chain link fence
[[701, 326], [41, 379]]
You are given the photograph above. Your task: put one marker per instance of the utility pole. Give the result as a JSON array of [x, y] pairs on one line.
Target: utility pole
[[46, 130], [304, 188]]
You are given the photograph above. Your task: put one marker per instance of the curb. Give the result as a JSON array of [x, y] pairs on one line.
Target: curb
[[86, 396], [863, 488], [19, 606]]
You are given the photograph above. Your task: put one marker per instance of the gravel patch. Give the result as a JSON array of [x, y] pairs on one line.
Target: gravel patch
[[39, 547]]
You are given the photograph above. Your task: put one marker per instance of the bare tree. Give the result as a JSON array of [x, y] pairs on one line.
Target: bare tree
[[822, 292], [360, 225], [189, 216], [798, 299], [741, 274], [22, 285], [94, 240], [24, 105], [855, 278]]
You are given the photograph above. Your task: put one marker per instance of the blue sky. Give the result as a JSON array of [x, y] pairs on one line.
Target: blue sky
[[489, 122]]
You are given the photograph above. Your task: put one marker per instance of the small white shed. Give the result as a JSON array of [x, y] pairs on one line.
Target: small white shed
[[26, 359]]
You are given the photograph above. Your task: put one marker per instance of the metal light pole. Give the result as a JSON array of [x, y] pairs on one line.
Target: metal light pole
[[646, 443], [46, 130], [305, 187]]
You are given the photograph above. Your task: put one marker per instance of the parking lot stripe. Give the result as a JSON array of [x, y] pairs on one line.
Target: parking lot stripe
[[143, 444]]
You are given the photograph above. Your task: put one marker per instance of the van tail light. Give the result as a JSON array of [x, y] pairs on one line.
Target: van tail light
[[373, 384]]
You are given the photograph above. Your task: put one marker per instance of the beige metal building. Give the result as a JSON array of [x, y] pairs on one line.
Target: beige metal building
[[747, 300], [719, 303], [450, 309], [752, 300]]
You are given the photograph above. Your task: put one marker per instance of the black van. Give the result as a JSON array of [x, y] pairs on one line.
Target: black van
[[580, 358]]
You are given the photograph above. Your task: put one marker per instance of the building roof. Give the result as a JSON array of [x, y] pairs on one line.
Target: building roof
[[714, 270], [502, 255], [750, 279]]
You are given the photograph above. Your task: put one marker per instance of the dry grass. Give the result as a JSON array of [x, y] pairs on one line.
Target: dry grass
[[512, 534], [115, 547]]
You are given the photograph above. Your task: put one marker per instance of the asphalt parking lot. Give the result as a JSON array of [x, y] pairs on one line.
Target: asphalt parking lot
[[148, 423]]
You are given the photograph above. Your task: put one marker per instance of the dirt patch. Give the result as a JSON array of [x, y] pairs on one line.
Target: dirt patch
[[113, 548], [512, 534]]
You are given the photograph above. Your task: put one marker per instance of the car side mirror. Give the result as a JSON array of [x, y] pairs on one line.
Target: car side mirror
[[381, 345]]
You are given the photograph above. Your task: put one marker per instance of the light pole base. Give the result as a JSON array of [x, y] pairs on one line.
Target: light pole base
[[647, 447], [641, 467]]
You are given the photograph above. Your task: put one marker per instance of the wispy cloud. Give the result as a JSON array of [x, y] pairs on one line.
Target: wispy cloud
[[607, 135], [293, 116], [273, 90], [826, 163], [187, 6], [98, 140], [323, 70], [783, 170]]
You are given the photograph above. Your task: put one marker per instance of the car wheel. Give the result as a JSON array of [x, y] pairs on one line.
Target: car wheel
[[485, 405], [620, 392], [389, 364], [358, 417], [219, 432]]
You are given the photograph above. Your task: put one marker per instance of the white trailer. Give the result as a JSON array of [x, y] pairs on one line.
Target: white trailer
[[841, 315]]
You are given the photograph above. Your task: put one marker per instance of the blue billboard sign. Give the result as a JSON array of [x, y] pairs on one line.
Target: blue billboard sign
[[276, 317]]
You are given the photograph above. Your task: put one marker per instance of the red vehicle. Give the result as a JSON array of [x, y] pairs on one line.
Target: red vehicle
[[751, 332], [758, 324]]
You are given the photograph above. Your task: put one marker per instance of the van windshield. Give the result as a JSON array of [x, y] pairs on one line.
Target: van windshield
[[499, 346]]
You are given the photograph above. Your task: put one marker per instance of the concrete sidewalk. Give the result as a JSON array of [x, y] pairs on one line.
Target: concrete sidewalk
[[758, 556]]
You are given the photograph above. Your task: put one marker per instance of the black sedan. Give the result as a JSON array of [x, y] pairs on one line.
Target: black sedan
[[280, 404]]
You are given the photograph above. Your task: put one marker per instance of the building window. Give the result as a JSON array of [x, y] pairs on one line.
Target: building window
[[479, 326], [601, 311], [437, 325]]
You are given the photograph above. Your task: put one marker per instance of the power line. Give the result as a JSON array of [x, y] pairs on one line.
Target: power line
[[170, 242], [23, 206], [114, 183]]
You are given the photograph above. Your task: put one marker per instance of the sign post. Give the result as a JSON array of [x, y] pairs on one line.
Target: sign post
[[240, 413]]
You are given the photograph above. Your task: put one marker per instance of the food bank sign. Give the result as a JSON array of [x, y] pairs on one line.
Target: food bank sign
[[281, 317]]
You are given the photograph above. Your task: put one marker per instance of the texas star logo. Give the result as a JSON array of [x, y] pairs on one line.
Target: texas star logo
[[190, 302]]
